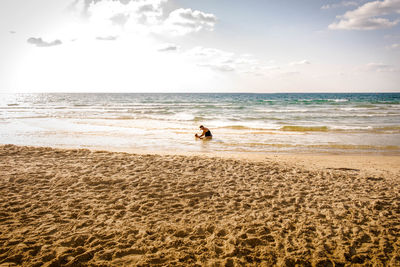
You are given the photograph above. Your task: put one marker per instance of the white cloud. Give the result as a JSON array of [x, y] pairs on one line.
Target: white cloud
[[218, 67], [369, 16], [378, 67], [141, 16], [209, 53], [224, 61], [393, 47], [302, 62], [39, 42], [183, 21], [341, 4], [212, 58], [85, 7], [119, 19], [168, 48], [107, 38]]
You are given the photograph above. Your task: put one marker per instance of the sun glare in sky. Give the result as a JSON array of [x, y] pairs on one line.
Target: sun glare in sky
[[199, 46]]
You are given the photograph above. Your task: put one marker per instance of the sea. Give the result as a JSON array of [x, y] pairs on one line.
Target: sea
[[239, 122]]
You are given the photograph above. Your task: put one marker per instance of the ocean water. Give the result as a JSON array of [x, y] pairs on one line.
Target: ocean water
[[323, 123]]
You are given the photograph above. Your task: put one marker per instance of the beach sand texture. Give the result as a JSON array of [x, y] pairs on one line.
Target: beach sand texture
[[81, 207]]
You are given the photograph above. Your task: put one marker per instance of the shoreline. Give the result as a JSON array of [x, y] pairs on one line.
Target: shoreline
[[372, 162], [379, 161], [93, 207]]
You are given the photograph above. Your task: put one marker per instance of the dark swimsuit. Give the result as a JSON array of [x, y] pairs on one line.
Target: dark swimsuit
[[208, 133]]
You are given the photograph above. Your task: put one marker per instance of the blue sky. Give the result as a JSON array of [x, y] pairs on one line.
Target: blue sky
[[199, 46]]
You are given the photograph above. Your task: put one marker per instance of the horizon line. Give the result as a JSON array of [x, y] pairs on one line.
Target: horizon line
[[302, 92]]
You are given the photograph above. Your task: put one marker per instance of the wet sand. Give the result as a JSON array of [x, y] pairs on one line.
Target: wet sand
[[79, 207]]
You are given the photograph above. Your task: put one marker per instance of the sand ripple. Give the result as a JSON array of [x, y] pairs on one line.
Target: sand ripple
[[80, 207]]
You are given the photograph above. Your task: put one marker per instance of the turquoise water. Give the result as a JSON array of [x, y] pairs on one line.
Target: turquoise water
[[239, 122]]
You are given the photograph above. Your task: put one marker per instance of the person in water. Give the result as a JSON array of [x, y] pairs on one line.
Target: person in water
[[206, 133]]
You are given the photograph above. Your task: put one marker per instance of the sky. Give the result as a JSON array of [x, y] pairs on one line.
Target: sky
[[264, 46]]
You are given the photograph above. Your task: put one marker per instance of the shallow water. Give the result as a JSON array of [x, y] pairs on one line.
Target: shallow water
[[239, 122]]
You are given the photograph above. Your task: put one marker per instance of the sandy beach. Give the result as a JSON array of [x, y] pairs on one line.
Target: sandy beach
[[75, 207]]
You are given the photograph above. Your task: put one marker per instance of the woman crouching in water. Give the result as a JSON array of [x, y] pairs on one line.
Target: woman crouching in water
[[206, 133]]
